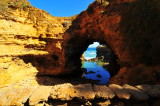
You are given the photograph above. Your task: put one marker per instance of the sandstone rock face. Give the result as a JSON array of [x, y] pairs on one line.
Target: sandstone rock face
[[128, 35], [34, 37], [53, 45]]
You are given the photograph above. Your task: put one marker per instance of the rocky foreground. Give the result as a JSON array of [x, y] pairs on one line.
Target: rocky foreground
[[29, 92]]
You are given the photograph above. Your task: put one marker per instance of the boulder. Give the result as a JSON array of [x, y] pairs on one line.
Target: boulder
[[84, 91], [136, 94], [102, 91], [119, 91], [152, 91], [62, 92], [67, 92], [40, 94], [144, 87], [16, 96]]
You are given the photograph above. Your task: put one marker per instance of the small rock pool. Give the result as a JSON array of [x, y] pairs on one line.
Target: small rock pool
[[96, 72]]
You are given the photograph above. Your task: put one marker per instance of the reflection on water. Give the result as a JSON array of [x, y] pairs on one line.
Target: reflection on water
[[96, 72]]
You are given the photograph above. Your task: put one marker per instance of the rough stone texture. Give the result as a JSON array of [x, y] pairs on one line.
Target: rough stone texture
[[136, 93], [31, 35], [13, 69], [103, 50], [33, 41], [47, 43], [84, 91], [119, 91], [62, 92], [152, 91], [126, 33], [75, 95], [16, 96], [103, 92], [68, 92], [40, 94]]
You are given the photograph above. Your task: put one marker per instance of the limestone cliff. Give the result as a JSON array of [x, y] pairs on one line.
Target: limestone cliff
[[32, 36], [34, 41]]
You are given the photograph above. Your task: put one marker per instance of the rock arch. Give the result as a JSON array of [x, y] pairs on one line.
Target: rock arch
[[118, 26]]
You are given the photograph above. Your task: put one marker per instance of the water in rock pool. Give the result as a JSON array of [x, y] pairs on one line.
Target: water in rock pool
[[95, 72]]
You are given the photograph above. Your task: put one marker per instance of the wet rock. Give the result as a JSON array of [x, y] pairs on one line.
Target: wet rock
[[103, 92], [99, 76], [90, 72], [119, 91], [40, 94], [136, 93]]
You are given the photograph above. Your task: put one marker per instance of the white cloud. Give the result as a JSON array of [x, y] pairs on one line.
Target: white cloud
[[94, 45]]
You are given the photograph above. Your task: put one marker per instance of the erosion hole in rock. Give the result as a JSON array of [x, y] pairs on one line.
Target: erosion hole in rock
[[95, 61]]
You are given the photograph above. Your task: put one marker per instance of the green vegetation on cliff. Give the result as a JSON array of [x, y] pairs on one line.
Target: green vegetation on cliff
[[13, 4]]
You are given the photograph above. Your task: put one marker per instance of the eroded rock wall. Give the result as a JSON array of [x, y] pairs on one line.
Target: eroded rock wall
[[129, 28], [32, 36]]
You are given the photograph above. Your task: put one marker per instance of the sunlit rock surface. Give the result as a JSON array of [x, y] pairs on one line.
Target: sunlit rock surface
[[32, 43]]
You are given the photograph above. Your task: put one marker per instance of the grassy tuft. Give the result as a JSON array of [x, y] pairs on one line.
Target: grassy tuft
[[13, 4]]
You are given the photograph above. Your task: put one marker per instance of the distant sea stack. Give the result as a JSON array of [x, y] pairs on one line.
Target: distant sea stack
[[104, 51]]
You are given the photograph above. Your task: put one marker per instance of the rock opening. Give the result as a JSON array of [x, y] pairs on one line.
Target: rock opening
[[95, 66]]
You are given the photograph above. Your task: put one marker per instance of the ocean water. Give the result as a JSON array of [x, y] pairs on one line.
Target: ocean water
[[96, 71], [90, 53]]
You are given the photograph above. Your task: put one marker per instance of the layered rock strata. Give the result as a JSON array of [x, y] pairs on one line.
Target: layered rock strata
[[30, 39]]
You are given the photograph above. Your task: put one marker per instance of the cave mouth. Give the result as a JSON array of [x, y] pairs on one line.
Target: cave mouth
[[95, 61]]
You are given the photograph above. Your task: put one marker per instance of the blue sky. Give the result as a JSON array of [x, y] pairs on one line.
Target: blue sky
[[62, 7]]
